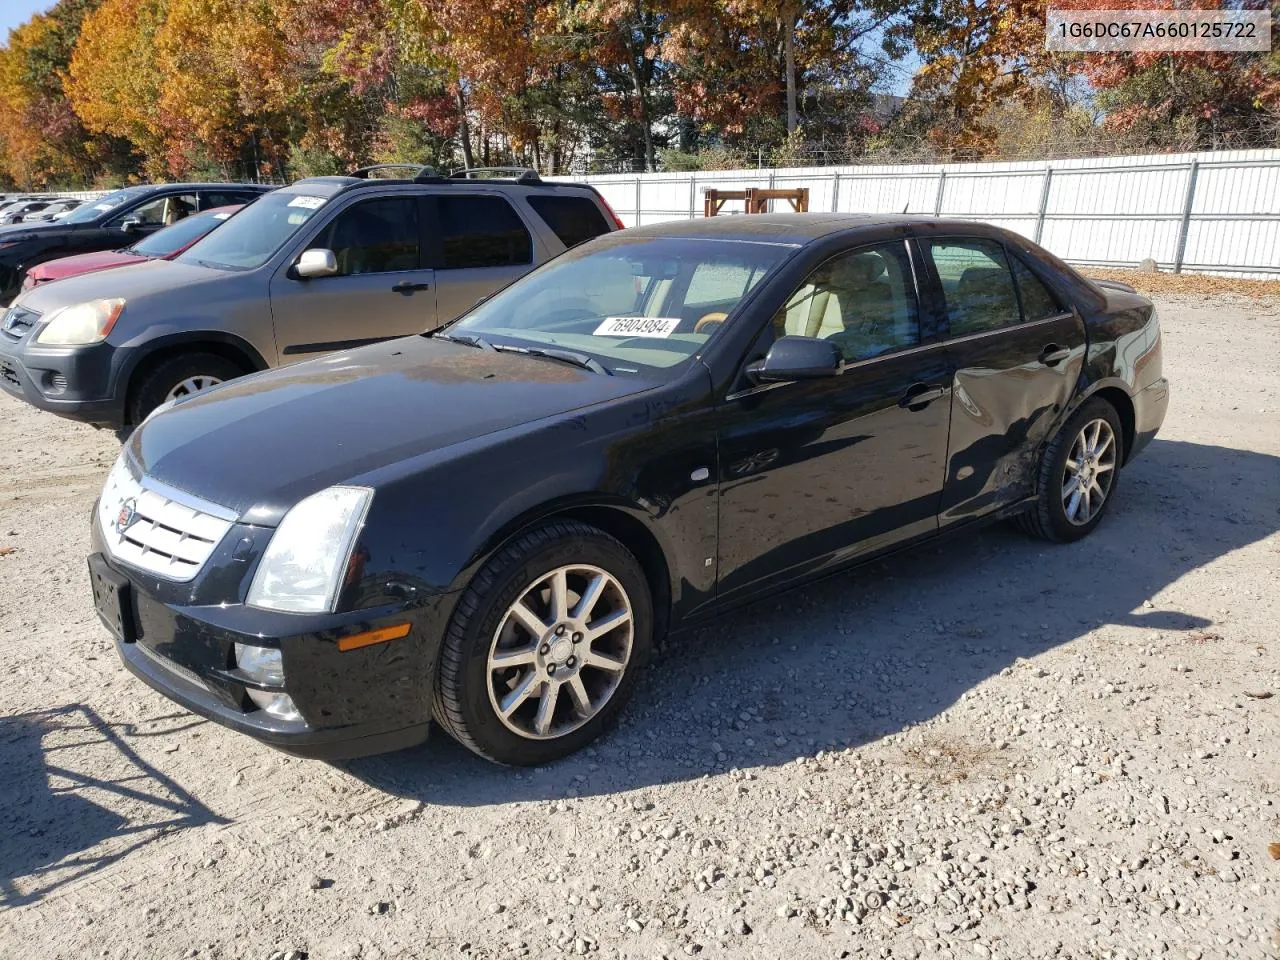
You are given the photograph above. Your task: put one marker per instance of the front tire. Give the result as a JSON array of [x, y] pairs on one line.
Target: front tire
[[179, 376], [545, 645], [1078, 475]]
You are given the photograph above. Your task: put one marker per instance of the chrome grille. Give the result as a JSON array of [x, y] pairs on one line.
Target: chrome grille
[[17, 322], [156, 528]]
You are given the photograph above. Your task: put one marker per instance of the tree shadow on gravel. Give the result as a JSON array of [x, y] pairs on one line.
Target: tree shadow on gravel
[[74, 798], [847, 660]]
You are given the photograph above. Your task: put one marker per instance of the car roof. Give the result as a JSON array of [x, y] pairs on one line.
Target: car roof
[[792, 228]]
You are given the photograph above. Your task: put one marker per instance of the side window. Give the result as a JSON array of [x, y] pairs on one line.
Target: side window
[[374, 236], [574, 220], [864, 301], [977, 285], [164, 211], [225, 198], [1038, 301], [481, 231], [714, 283]]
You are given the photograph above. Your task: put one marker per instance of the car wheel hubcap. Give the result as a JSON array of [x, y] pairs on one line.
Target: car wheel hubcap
[[192, 385], [560, 652], [1089, 472]]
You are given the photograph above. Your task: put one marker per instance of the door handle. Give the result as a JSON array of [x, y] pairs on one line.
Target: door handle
[[407, 287], [1052, 355], [920, 395]]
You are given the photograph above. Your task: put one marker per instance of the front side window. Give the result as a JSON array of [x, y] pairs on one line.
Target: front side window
[[374, 236], [481, 231], [863, 301], [976, 283], [164, 211], [630, 303], [251, 237]]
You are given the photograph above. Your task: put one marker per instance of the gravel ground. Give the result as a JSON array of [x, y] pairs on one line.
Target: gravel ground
[[995, 748]]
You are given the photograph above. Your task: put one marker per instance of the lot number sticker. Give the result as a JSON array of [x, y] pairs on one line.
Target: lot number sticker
[[660, 327], [310, 203]]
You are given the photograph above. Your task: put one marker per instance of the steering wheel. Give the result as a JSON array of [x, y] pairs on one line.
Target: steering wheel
[[709, 321]]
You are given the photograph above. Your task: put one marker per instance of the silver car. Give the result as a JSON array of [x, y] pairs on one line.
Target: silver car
[[326, 264]]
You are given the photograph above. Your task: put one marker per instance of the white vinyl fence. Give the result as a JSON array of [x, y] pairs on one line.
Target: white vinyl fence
[[1194, 212]]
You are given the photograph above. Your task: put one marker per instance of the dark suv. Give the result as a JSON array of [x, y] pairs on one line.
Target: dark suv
[[324, 264], [117, 219]]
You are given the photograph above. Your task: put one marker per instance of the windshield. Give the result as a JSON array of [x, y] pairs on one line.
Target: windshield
[[250, 238], [170, 240], [638, 305], [93, 209]]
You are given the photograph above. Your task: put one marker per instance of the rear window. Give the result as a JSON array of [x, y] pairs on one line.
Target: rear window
[[482, 231], [574, 220]]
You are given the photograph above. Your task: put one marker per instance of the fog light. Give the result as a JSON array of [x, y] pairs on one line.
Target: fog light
[[263, 664], [278, 705]]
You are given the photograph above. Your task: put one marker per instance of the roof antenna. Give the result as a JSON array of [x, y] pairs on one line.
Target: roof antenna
[[904, 206]]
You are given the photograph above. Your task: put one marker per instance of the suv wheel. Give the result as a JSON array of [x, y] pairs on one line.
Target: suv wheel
[[179, 376], [1078, 475], [545, 645]]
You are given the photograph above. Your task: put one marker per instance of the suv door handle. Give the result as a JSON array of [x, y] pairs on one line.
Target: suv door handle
[[920, 395], [1053, 354], [407, 287]]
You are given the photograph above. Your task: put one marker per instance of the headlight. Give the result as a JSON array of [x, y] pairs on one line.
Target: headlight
[[81, 324], [302, 570]]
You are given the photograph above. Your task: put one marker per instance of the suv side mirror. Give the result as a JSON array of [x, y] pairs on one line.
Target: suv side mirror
[[316, 263], [797, 358], [130, 225]]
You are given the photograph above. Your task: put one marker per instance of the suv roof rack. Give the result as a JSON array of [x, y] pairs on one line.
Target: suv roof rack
[[421, 172], [519, 174]]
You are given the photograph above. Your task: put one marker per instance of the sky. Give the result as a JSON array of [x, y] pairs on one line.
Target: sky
[[16, 12]]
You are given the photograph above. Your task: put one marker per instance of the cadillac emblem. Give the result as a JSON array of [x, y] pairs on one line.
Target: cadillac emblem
[[128, 513]]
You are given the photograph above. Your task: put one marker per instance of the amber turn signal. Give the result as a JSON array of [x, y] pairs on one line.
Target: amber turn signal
[[370, 637]]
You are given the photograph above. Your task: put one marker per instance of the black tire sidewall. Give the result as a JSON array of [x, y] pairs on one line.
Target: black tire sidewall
[[1063, 529], [488, 732], [156, 383]]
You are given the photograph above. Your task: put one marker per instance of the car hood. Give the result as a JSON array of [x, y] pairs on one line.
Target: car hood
[[260, 444], [13, 232], [130, 282], [82, 263]]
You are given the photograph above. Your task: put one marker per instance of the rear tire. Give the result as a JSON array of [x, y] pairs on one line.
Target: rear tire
[[186, 373], [525, 678], [1078, 475]]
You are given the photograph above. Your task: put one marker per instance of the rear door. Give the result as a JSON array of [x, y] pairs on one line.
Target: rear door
[[479, 243], [1017, 351], [382, 289]]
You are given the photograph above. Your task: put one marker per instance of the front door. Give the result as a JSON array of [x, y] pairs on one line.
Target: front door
[[381, 289], [817, 472], [480, 244], [1017, 353]]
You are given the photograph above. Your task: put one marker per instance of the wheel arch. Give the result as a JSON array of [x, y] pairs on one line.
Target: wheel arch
[[625, 523], [1115, 393], [226, 345]]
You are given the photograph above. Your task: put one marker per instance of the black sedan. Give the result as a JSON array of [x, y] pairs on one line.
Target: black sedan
[[488, 526]]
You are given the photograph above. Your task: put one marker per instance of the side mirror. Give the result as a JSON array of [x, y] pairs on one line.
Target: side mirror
[[130, 225], [316, 263], [797, 358]]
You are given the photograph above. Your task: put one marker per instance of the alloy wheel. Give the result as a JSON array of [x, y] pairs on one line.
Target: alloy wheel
[[560, 651], [1089, 472], [192, 385]]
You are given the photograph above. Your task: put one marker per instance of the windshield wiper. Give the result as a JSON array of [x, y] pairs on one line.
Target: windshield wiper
[[564, 356], [470, 339]]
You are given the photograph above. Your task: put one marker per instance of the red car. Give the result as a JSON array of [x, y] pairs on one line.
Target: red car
[[162, 245]]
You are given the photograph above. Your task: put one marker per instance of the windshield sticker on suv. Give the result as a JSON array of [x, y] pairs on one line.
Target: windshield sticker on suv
[[102, 206], [660, 327], [310, 203]]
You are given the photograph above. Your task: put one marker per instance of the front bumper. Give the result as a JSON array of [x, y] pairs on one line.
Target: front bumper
[[369, 700], [72, 382]]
